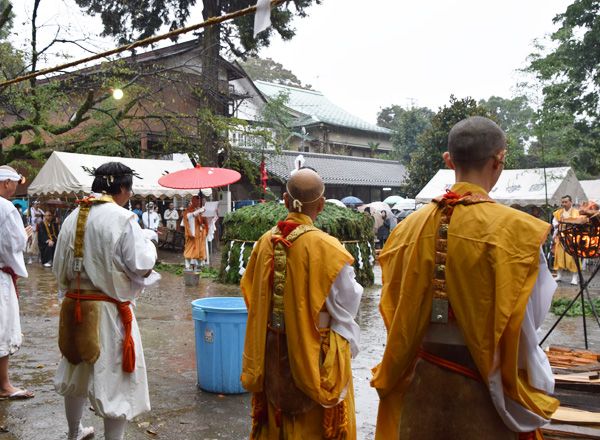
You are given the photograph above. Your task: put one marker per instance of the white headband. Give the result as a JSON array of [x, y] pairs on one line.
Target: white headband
[[6, 174], [297, 204]]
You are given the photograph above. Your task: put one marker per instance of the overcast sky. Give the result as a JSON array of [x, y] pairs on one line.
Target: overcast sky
[[367, 54]]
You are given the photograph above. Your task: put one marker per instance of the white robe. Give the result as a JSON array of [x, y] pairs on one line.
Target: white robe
[[342, 305], [531, 357], [12, 245], [116, 257]]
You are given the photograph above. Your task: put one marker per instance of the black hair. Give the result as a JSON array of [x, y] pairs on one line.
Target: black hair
[[110, 177], [567, 197]]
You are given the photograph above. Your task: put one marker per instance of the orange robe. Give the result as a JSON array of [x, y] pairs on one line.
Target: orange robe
[[313, 263], [562, 260], [491, 268], [195, 245]]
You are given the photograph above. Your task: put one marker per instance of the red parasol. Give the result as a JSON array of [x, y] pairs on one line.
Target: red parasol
[[200, 177]]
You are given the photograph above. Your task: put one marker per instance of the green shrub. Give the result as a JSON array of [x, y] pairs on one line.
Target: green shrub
[[246, 225]]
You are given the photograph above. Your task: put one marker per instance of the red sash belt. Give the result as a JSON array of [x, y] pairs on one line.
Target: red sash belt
[[472, 374], [13, 275], [126, 319], [449, 365]]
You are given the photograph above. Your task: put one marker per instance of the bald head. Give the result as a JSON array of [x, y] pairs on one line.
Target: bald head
[[472, 141], [305, 191]]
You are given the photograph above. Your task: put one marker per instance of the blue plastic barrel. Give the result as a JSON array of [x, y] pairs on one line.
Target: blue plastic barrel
[[220, 327]]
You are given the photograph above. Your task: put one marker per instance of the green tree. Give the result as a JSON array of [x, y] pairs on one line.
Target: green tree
[[77, 112], [426, 159], [568, 122], [569, 72], [129, 21], [388, 116], [407, 125], [271, 71], [516, 117], [6, 17]]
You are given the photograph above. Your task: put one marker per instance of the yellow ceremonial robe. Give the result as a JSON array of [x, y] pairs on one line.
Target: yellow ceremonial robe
[[562, 260], [195, 245], [313, 263], [491, 268]]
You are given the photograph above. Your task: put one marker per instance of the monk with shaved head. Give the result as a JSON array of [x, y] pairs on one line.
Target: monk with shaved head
[[302, 298], [465, 289]]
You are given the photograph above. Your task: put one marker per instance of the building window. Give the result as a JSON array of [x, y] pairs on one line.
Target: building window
[[306, 149]]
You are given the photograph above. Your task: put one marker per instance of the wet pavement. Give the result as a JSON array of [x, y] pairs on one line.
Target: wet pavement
[[179, 409]]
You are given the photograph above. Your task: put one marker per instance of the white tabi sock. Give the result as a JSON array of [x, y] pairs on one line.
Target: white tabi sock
[[114, 429], [74, 411]]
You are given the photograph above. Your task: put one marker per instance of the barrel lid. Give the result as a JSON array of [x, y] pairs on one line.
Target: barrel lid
[[221, 304]]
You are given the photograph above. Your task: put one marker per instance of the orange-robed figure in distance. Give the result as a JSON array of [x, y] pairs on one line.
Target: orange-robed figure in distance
[[562, 260], [196, 228], [302, 298], [465, 287]]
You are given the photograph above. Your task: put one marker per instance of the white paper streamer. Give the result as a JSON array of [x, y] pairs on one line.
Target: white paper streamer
[[228, 255], [359, 256], [371, 258], [242, 268], [262, 17]]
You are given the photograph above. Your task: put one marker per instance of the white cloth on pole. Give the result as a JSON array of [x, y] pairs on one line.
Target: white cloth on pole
[[262, 17], [117, 255]]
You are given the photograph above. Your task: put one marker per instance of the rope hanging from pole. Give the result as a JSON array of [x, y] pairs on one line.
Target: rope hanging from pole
[[140, 43]]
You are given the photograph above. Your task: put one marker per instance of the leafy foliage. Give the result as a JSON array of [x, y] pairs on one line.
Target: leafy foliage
[[6, 17], [178, 269], [133, 20], [271, 71], [568, 125], [559, 305], [426, 159], [407, 125], [248, 224]]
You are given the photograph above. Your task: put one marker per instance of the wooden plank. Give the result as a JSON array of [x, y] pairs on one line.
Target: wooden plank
[[577, 377], [576, 416], [564, 431], [576, 398]]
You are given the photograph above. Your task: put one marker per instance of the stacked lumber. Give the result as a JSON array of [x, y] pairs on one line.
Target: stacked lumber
[[565, 357], [569, 423]]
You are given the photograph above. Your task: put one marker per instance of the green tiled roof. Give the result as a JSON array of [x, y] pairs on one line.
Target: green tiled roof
[[317, 108]]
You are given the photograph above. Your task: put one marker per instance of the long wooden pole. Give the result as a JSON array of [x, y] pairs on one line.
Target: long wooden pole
[[140, 43]]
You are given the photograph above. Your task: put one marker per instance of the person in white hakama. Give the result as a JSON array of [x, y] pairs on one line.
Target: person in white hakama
[[12, 244], [118, 258]]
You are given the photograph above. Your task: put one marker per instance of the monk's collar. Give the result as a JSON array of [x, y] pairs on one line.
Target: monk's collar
[[467, 187], [300, 218]]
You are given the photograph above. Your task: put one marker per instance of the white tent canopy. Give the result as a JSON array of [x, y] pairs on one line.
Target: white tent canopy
[[592, 189], [63, 174], [517, 187]]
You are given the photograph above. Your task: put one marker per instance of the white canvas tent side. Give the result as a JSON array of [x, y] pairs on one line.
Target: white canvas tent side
[[517, 187], [63, 175], [592, 189]]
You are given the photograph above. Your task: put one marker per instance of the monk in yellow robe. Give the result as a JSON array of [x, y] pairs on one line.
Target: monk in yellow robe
[[196, 228], [562, 260], [302, 297], [465, 287]]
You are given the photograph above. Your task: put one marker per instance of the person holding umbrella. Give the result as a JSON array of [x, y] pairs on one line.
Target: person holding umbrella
[[196, 228]]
